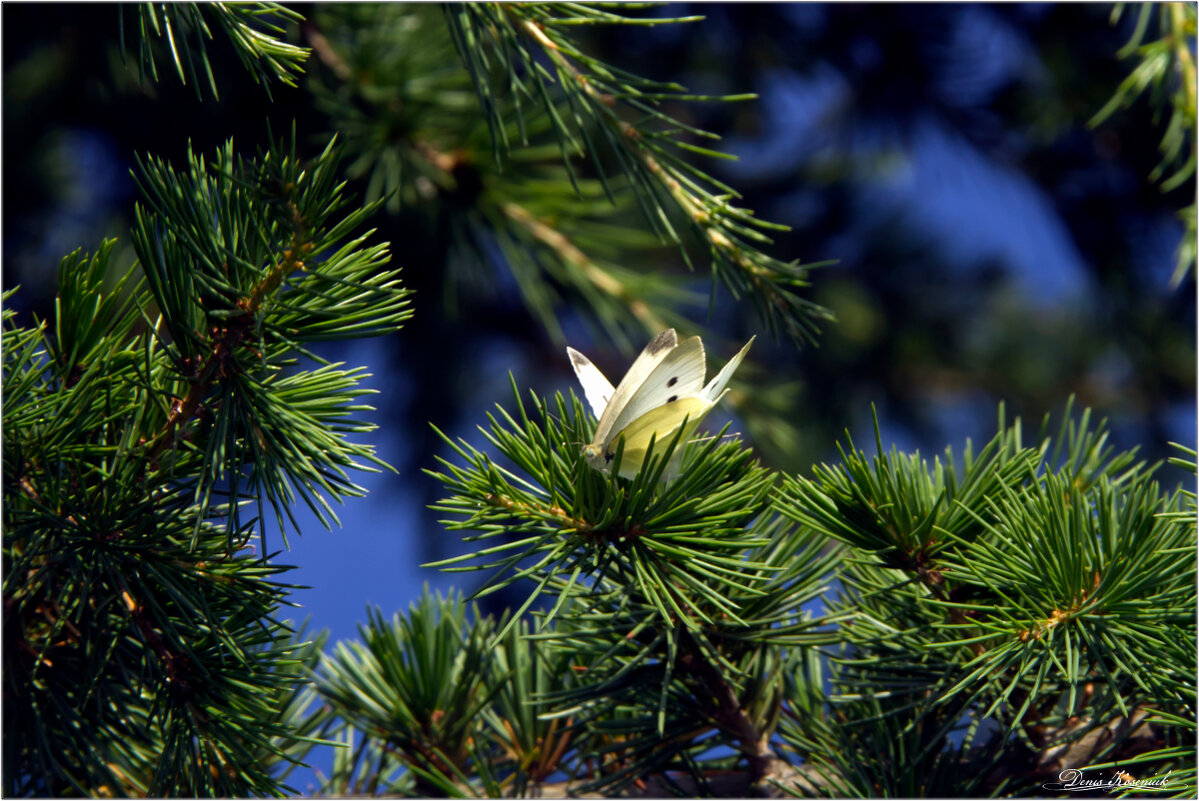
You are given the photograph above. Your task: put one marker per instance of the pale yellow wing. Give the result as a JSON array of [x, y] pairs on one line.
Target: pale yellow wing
[[657, 350], [679, 374], [660, 424]]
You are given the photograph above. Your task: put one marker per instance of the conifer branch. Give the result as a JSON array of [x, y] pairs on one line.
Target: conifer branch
[[551, 226], [566, 250], [574, 257], [581, 94], [226, 339], [1167, 69], [131, 609], [185, 28], [729, 715], [249, 303]]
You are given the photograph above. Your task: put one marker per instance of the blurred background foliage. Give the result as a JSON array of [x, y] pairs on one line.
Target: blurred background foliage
[[988, 243]]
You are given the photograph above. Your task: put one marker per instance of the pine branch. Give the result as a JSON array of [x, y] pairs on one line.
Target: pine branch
[[185, 29], [657, 539], [279, 269], [1044, 593], [579, 263], [417, 685], [414, 133], [1167, 70], [146, 654], [729, 715], [582, 96], [654, 617]]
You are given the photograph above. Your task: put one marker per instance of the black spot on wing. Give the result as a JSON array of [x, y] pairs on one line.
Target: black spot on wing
[[608, 457], [673, 380], [672, 399], [663, 341]]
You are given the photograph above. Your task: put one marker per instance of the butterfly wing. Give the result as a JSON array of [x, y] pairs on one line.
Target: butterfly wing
[[657, 350], [715, 388], [660, 424], [597, 389], [678, 374]]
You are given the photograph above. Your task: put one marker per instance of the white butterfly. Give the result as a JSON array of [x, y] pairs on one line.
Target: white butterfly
[[664, 387]]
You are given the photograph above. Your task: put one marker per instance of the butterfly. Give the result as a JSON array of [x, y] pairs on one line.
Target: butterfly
[[663, 387]]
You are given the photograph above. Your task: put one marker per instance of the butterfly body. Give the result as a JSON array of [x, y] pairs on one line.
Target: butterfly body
[[662, 391]]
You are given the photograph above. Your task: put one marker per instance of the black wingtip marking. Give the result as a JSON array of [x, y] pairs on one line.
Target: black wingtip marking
[[664, 340]]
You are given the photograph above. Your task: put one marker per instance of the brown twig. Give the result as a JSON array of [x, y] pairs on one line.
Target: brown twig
[[325, 52], [227, 338], [574, 257], [730, 716], [556, 513]]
